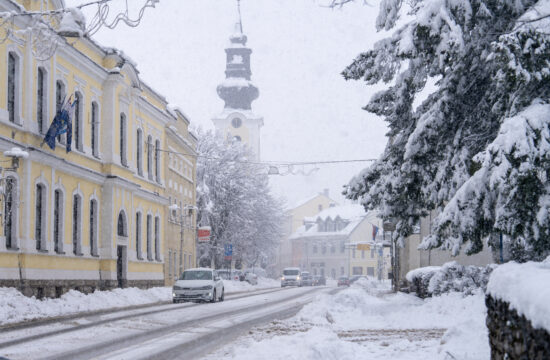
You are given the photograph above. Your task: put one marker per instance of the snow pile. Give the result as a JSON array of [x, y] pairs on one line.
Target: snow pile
[[361, 322], [15, 307], [452, 276], [525, 288], [232, 286]]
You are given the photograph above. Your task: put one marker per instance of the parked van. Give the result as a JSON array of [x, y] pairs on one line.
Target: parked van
[[291, 277]]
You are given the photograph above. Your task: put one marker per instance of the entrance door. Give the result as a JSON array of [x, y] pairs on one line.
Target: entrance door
[[121, 266]]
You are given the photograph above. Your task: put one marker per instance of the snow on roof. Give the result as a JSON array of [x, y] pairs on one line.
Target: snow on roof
[[524, 287], [345, 212]]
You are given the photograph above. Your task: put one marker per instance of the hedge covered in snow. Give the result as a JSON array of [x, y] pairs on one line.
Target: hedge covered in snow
[[437, 280]]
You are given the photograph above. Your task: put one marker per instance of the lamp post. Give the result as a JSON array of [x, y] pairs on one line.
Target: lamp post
[[175, 207], [390, 226]]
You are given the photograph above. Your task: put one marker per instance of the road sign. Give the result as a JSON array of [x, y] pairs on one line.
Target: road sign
[[228, 251], [363, 246], [204, 233]]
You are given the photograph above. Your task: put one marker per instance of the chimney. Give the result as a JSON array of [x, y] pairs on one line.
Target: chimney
[[325, 192]]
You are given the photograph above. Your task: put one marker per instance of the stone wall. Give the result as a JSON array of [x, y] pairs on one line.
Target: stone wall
[[55, 288], [511, 335]]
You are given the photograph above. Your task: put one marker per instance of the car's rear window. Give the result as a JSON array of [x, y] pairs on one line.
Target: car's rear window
[[291, 272], [196, 275]]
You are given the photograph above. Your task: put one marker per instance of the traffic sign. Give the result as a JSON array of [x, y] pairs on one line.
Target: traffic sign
[[204, 233], [228, 251]]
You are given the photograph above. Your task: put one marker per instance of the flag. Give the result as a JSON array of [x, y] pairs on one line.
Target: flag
[[374, 232], [61, 124]]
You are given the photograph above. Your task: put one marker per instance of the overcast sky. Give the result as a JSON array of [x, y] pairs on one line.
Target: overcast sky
[[299, 49]]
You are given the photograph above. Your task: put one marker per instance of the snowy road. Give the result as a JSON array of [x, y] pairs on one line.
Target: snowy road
[[162, 332]]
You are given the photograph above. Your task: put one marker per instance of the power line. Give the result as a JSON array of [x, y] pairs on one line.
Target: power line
[[272, 163]]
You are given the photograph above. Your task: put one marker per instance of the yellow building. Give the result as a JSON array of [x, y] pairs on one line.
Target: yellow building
[[93, 217], [180, 240], [294, 218]]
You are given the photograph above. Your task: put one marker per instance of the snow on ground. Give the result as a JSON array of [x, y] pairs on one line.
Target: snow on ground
[[366, 321], [15, 307]]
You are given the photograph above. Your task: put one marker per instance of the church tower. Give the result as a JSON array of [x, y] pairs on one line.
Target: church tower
[[237, 121]]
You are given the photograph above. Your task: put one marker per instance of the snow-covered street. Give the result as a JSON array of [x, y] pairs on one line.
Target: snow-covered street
[[163, 331], [367, 322]]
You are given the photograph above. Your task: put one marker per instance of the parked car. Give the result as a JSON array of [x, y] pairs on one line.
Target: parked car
[[199, 285], [251, 278], [354, 278], [306, 279], [319, 280], [343, 281], [291, 277]]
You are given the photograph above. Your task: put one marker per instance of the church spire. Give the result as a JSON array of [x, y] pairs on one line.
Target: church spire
[[237, 90]]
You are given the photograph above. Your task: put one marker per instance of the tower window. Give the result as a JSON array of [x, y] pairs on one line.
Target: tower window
[[236, 123], [237, 138]]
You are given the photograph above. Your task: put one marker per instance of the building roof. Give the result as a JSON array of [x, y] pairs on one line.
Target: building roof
[[353, 214]]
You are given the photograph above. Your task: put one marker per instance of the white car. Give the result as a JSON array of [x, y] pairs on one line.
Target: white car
[[200, 284]]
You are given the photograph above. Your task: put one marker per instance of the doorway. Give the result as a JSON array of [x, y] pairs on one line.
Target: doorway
[[121, 273]]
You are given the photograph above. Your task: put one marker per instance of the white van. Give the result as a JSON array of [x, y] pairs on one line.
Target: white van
[[291, 277]]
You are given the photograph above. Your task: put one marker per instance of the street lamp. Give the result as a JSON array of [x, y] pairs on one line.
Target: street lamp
[[189, 208]]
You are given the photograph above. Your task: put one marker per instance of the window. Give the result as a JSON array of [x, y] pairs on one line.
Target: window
[[10, 213], [324, 249], [149, 249], [138, 236], [77, 226], [362, 254], [150, 157], [40, 217], [320, 207], [372, 253], [139, 152], [94, 130], [122, 229], [342, 246], [357, 270], [57, 216], [78, 121], [370, 271], [315, 249], [123, 160], [157, 160], [332, 249], [157, 238], [13, 87], [93, 228], [236, 122], [41, 100]]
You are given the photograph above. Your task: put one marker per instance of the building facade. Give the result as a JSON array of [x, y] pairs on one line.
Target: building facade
[[180, 240], [333, 243], [93, 217]]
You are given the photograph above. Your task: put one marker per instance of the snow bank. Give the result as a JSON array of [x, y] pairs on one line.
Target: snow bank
[[525, 288], [381, 325], [421, 272], [232, 286], [15, 307]]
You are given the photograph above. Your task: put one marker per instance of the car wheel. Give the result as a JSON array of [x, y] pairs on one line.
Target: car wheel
[[213, 297], [222, 298]]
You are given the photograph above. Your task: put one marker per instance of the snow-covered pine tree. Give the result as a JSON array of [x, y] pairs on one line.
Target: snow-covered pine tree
[[234, 200], [477, 149]]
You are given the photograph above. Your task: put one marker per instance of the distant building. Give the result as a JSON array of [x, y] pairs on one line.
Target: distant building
[[333, 243], [294, 218], [237, 121]]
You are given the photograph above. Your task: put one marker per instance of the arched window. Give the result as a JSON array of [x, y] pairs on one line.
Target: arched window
[[138, 236], [150, 157], [157, 160], [41, 99], [77, 123], [149, 248], [40, 217], [77, 225], [13, 87], [93, 228], [57, 216], [123, 160], [10, 212], [139, 152], [157, 238], [122, 229], [94, 130]]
